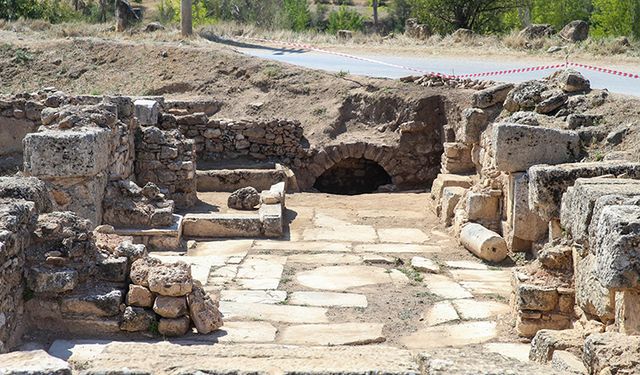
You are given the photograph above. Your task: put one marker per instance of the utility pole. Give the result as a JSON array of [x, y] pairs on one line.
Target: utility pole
[[186, 18]]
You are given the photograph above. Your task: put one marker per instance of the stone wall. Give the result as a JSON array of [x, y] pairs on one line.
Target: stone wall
[[20, 202], [167, 159]]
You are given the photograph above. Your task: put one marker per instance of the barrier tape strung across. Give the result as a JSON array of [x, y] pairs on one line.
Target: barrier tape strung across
[[449, 76]]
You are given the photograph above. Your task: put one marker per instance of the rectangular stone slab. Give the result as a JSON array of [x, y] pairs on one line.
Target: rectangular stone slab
[[547, 183], [222, 225], [517, 147]]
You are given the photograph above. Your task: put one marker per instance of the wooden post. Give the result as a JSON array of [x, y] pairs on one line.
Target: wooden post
[[186, 17]]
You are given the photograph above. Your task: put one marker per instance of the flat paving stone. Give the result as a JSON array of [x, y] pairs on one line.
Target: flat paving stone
[[258, 284], [402, 235], [302, 246], [325, 258], [482, 275], [221, 248], [502, 289], [451, 335], [446, 288], [169, 358], [276, 313], [439, 313], [32, 362], [391, 213], [332, 334], [391, 248], [340, 278], [260, 269], [377, 259], [466, 264], [470, 309], [328, 299], [254, 296], [237, 332], [350, 233], [425, 265], [510, 350]]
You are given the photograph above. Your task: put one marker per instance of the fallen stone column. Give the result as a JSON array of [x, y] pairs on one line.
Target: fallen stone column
[[484, 243]]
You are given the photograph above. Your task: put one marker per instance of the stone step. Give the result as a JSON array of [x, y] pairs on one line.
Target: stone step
[[178, 358], [266, 223], [229, 180], [157, 239]]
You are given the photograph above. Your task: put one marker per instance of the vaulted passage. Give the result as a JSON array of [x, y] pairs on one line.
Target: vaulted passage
[[353, 176]]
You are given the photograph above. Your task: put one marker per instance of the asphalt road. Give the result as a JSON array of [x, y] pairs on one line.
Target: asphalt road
[[333, 63]]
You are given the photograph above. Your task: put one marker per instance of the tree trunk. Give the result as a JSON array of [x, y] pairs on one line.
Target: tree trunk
[[186, 18], [374, 4]]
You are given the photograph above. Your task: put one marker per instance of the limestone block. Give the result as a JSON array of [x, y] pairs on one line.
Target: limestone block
[[12, 132], [628, 312], [567, 363], [147, 112], [483, 243], [448, 180], [74, 153], [483, 206], [579, 201], [32, 362], [547, 341], [547, 183], [612, 353], [616, 247], [102, 302], [46, 280], [174, 327], [140, 270], [112, 268], [139, 296], [524, 223], [518, 147], [272, 221], [528, 327], [170, 307], [173, 280], [593, 298], [457, 158], [536, 297], [450, 197], [222, 225], [492, 95], [136, 319], [474, 122], [27, 188], [204, 311]]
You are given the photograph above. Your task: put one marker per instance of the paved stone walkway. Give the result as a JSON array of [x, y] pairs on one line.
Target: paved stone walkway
[[344, 276]]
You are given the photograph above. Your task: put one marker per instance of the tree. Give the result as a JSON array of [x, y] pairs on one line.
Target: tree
[[560, 12], [297, 14], [374, 5], [448, 15], [616, 17]]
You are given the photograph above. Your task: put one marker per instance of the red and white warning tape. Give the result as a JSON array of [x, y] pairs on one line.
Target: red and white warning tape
[[443, 75]]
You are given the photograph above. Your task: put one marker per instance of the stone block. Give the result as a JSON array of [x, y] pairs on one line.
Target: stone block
[[32, 362], [136, 319], [536, 297], [147, 112], [567, 363], [491, 96], [28, 188], [222, 225], [174, 327], [627, 312], [204, 311], [51, 153], [46, 280], [112, 268], [547, 183], [12, 132], [616, 247], [474, 122], [611, 353], [139, 296], [547, 341], [140, 270], [457, 158], [272, 221], [524, 223], [518, 147], [173, 280], [170, 307], [483, 242], [593, 298], [449, 180], [450, 198], [99, 302], [579, 201], [483, 206], [528, 327]]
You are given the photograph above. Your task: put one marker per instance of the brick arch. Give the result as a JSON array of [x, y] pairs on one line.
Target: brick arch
[[330, 155]]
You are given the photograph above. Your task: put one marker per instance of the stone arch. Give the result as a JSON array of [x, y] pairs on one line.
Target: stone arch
[[331, 155]]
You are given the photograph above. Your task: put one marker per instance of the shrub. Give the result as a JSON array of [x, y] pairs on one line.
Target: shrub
[[345, 19], [169, 12], [296, 14]]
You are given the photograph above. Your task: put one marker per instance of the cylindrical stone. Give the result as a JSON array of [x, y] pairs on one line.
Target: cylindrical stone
[[483, 242]]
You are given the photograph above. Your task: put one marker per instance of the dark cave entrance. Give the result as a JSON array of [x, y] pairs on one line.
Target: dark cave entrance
[[353, 176]]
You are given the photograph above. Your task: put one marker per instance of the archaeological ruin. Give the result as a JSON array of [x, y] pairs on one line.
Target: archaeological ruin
[[469, 228]]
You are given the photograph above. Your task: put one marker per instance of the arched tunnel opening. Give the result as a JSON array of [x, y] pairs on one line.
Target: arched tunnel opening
[[353, 176]]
